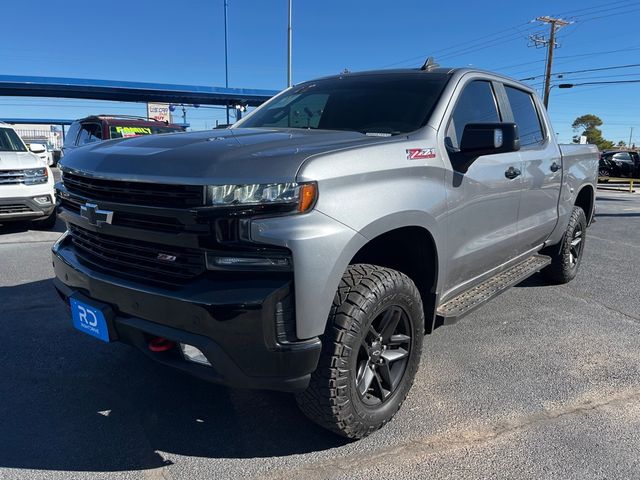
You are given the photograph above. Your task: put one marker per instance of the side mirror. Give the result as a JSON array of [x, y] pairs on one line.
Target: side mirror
[[480, 139], [37, 148]]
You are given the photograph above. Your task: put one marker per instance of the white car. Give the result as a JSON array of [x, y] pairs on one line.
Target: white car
[[26, 182], [42, 151]]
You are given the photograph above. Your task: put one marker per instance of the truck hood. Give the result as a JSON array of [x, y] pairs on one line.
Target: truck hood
[[19, 161], [230, 156]]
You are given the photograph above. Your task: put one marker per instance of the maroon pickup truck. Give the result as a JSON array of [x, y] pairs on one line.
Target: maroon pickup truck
[[97, 128]]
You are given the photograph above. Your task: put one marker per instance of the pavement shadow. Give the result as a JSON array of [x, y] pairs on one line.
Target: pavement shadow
[[611, 199], [24, 226], [70, 402], [628, 214]]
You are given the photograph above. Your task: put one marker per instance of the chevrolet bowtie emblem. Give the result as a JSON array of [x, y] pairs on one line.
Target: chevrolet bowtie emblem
[[94, 215]]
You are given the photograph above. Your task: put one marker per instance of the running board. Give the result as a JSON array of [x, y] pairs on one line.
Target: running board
[[467, 301]]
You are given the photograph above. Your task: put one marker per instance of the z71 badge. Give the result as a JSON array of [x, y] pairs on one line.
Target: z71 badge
[[420, 153]]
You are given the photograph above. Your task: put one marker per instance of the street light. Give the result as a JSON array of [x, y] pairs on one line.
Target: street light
[[613, 82]]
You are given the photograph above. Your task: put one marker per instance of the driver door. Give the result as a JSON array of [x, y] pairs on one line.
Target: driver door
[[482, 203]]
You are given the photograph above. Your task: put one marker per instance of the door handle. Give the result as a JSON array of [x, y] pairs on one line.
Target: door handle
[[512, 173], [555, 167]]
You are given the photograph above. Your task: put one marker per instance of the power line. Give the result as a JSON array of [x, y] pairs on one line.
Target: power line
[[468, 42], [610, 15], [586, 70], [608, 4], [570, 58]]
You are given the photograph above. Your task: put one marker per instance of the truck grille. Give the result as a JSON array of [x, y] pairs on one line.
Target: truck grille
[[150, 262], [135, 193], [9, 177], [127, 219]]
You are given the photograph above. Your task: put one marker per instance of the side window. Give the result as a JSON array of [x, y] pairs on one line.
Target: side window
[[89, 133], [476, 104], [526, 116], [72, 134], [623, 157]]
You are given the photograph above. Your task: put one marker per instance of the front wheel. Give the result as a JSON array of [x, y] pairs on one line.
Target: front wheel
[[604, 173], [565, 260], [370, 353]]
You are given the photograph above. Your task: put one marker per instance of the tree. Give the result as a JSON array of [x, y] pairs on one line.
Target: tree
[[589, 124], [621, 144]]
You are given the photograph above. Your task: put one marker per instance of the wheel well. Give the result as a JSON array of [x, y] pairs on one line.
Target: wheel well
[[585, 200], [410, 250]]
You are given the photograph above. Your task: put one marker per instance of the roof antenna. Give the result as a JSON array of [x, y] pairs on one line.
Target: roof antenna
[[429, 65]]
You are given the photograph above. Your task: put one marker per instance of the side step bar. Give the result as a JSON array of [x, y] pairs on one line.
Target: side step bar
[[467, 301]]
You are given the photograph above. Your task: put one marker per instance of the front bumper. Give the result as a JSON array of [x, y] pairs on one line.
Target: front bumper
[[25, 208], [238, 323]]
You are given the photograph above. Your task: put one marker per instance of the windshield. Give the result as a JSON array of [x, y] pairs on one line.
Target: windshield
[[10, 141], [119, 131], [376, 104]]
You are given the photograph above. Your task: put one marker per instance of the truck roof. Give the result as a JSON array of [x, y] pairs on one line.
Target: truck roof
[[127, 120], [440, 71]]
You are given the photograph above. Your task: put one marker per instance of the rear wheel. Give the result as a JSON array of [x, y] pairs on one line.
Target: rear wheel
[[566, 257], [370, 354]]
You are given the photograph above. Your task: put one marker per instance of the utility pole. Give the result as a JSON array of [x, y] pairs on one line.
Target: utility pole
[[630, 137], [289, 47], [555, 23], [226, 57]]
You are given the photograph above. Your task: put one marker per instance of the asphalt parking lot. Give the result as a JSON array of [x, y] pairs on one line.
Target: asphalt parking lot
[[544, 382]]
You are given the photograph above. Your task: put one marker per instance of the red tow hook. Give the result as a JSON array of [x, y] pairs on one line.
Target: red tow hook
[[159, 344]]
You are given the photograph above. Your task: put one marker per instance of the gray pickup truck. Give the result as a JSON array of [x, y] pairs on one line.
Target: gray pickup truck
[[310, 247]]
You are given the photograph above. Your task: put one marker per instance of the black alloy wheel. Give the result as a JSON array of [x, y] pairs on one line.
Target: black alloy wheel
[[383, 355]]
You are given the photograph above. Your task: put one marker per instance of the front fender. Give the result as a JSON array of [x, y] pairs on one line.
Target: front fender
[[322, 249]]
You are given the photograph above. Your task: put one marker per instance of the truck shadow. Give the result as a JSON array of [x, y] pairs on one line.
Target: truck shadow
[[535, 280], [70, 402]]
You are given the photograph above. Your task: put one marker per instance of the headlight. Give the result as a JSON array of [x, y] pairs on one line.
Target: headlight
[[300, 196], [35, 176]]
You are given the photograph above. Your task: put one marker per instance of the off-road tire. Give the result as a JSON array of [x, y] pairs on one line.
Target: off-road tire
[[332, 399], [564, 261]]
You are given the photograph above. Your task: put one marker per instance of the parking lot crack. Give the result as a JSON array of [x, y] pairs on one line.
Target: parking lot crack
[[586, 298], [416, 449]]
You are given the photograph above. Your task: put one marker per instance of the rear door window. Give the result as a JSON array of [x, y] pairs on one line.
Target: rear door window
[[476, 104], [525, 116], [125, 131]]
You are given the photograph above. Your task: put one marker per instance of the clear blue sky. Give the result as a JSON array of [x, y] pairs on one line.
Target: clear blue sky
[[183, 42]]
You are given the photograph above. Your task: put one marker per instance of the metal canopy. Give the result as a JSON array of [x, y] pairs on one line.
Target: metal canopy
[[31, 86], [37, 121]]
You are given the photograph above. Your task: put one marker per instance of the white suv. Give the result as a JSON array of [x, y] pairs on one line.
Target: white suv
[[26, 182]]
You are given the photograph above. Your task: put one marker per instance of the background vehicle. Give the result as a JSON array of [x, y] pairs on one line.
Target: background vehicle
[[309, 247], [96, 128], [43, 151], [26, 182], [619, 163]]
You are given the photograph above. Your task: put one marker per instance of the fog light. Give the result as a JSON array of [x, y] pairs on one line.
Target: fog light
[[193, 354], [44, 200]]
